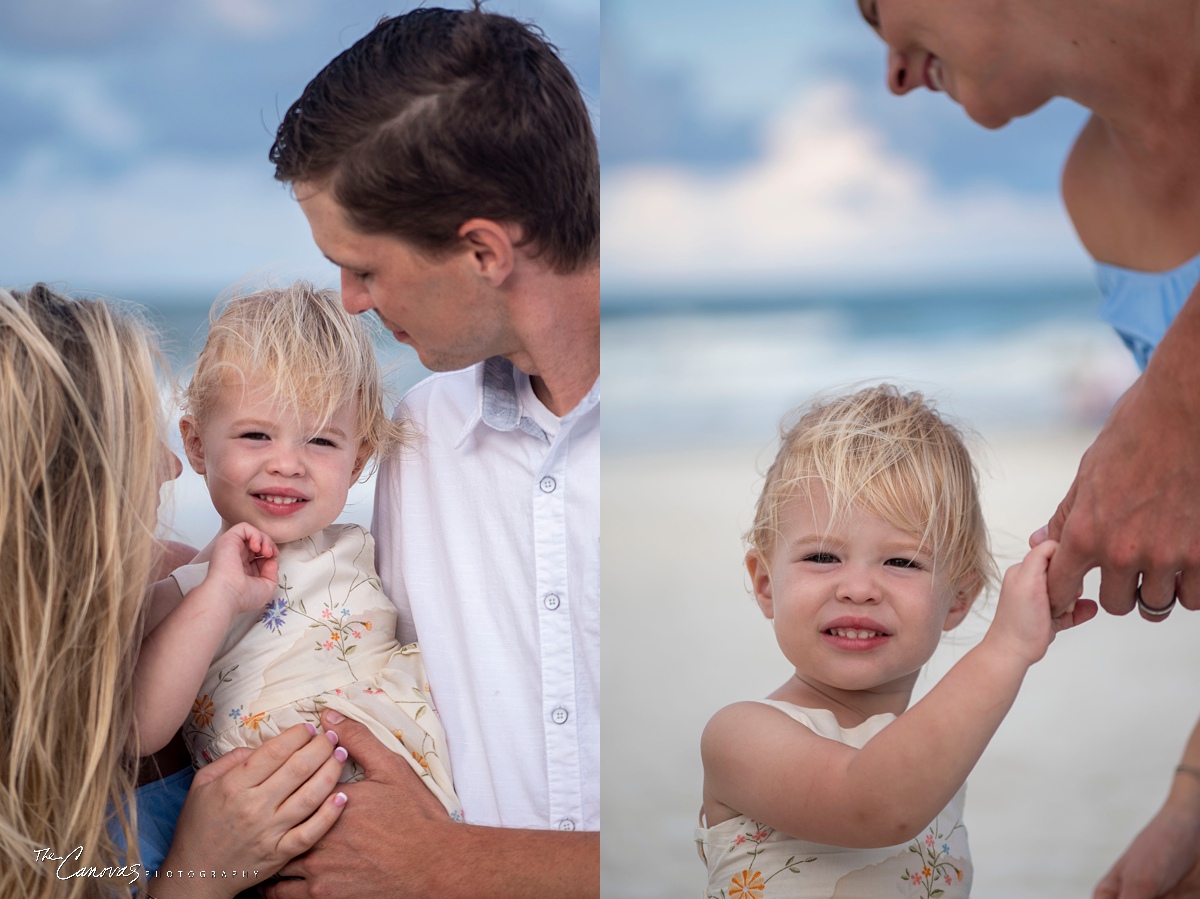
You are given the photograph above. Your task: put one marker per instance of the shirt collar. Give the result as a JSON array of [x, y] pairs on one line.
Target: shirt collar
[[500, 404]]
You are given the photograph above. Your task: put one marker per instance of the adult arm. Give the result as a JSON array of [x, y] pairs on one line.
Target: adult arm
[[249, 812], [1134, 507], [395, 840], [1164, 859]]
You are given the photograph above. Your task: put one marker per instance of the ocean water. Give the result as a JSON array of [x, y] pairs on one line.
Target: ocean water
[[721, 369]]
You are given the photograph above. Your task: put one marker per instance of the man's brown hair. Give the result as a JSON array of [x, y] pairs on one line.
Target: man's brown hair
[[438, 116]]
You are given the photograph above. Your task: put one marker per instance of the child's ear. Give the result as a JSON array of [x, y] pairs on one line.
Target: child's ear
[[192, 444], [360, 462], [963, 600], [760, 582]]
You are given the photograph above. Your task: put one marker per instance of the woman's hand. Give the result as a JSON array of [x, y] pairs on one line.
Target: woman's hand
[[1162, 861], [248, 813]]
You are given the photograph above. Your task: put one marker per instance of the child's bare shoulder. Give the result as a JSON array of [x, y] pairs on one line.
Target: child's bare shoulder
[[753, 722]]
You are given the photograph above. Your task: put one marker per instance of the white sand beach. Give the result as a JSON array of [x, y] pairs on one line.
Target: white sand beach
[[1078, 766]]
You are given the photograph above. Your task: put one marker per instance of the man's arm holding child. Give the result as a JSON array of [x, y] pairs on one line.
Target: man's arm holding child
[[398, 841], [178, 650], [887, 792]]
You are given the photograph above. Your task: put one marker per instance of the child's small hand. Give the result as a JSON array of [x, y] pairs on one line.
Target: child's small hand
[[243, 568], [1023, 624]]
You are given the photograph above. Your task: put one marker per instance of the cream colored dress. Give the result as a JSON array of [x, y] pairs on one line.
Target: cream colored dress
[[326, 641], [749, 860]]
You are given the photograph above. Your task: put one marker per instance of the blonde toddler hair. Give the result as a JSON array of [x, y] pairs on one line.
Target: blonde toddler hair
[[300, 342], [80, 438], [891, 454]]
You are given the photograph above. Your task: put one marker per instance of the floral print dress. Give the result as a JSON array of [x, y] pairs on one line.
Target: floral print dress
[[749, 860], [327, 640]]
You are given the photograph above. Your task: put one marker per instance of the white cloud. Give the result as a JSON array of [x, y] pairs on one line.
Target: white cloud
[[827, 202], [175, 223], [83, 102]]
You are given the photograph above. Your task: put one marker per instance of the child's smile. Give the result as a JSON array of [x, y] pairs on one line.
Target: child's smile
[[858, 604], [287, 474]]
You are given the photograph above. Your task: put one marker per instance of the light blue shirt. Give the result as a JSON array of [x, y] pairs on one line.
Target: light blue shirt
[[1142, 305]]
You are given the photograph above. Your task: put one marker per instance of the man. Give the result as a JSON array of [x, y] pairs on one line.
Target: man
[[447, 165]]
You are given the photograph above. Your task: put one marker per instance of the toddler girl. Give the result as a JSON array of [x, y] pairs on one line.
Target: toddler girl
[[282, 615], [867, 544]]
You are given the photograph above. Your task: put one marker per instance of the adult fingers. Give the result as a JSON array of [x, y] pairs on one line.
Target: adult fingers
[[1118, 590], [1058, 521], [221, 766], [1083, 611], [1187, 588], [269, 758], [1040, 536], [308, 795], [1064, 579], [298, 768], [304, 835], [358, 740], [1158, 592]]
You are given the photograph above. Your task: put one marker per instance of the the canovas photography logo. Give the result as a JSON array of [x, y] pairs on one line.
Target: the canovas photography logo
[[71, 865]]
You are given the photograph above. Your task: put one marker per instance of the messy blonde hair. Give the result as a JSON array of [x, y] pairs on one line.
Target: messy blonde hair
[[80, 435], [892, 455], [301, 343]]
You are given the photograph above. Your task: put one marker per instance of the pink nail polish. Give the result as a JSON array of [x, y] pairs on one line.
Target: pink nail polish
[[339, 800], [340, 754], [332, 737], [312, 730]]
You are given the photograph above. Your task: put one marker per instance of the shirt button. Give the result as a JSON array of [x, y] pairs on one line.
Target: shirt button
[[559, 715], [548, 484], [552, 601], [566, 824]]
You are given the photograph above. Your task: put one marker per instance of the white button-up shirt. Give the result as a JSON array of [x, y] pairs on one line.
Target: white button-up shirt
[[488, 541]]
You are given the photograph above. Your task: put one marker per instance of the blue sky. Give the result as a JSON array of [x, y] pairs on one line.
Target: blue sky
[[134, 133], [755, 146]]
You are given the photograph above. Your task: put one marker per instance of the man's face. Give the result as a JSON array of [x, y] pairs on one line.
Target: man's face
[[440, 306]]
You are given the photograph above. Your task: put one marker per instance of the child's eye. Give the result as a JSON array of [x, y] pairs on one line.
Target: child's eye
[[255, 435], [323, 441], [903, 563], [821, 558]]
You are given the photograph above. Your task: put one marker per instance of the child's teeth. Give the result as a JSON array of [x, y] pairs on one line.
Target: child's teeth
[[281, 500], [854, 634]]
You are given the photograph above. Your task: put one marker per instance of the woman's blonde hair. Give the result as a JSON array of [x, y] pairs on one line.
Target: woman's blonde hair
[[80, 438], [302, 344], [891, 454]]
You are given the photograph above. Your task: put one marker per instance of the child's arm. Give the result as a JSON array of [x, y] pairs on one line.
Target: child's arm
[[765, 765], [176, 654]]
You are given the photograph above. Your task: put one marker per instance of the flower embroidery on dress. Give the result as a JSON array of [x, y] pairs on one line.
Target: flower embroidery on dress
[[202, 711], [935, 864], [750, 883]]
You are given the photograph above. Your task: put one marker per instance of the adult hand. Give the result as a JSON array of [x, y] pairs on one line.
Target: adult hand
[[1162, 861], [1134, 507], [388, 839], [251, 812], [395, 839]]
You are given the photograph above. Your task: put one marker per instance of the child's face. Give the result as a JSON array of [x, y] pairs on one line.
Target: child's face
[[859, 606], [269, 466]]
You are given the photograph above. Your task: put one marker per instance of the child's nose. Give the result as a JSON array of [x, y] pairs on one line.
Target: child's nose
[[286, 462], [858, 587]]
